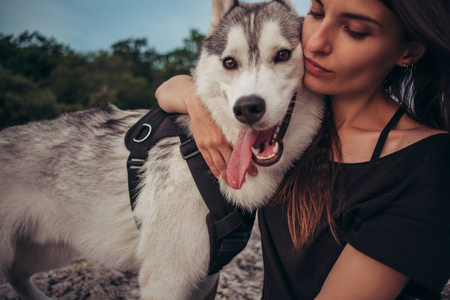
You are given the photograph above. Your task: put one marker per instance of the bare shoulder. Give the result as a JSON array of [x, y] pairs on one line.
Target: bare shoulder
[[413, 131], [358, 142], [406, 133]]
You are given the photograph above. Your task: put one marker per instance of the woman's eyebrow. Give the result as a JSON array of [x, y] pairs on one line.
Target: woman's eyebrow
[[319, 2], [360, 17]]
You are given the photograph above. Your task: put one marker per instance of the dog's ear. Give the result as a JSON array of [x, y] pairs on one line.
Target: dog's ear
[[219, 9], [287, 3]]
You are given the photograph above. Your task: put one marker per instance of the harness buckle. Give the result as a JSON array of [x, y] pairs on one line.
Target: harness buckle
[[135, 163], [189, 149]]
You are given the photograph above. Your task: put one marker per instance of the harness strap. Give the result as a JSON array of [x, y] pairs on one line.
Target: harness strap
[[152, 127], [229, 227]]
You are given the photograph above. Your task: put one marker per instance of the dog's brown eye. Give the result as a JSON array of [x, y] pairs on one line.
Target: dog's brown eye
[[229, 63], [283, 55]]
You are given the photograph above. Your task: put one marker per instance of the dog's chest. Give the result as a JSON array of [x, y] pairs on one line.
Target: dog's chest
[[167, 188]]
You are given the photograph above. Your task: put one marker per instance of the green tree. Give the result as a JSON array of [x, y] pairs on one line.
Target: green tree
[[21, 101], [31, 55], [41, 78], [181, 60]]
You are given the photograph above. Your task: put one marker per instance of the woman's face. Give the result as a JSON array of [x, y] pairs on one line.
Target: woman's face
[[350, 46]]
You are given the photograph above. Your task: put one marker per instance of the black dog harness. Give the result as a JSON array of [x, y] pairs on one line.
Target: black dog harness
[[229, 227]]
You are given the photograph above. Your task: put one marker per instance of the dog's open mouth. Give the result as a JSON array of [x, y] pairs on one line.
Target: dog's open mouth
[[263, 147], [268, 147]]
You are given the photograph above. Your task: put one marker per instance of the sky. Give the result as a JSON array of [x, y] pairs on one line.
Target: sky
[[92, 25]]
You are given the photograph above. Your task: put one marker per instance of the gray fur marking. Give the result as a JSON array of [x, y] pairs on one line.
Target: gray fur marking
[[251, 17]]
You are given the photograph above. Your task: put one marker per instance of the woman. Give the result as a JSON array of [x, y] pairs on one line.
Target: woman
[[351, 222]]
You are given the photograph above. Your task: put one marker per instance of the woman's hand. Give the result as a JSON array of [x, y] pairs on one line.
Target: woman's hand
[[178, 95], [209, 138]]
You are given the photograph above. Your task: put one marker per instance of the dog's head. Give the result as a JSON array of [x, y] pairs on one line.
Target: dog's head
[[248, 75]]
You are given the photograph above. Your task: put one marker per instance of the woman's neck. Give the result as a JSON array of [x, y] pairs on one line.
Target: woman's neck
[[366, 112], [359, 121]]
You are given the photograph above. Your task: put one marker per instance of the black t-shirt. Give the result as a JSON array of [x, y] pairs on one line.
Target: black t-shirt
[[397, 211]]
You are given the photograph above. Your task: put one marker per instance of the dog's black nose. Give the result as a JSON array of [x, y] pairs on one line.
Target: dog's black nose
[[249, 109]]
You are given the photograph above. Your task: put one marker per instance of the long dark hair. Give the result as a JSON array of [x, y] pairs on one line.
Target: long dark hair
[[313, 190], [310, 187], [425, 89]]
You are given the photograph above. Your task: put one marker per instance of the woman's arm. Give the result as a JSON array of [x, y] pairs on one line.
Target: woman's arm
[[178, 95], [357, 276], [172, 94]]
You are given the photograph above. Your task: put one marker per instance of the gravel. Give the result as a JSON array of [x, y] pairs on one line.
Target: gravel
[[241, 279]]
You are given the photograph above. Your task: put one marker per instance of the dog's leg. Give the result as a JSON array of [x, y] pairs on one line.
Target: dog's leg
[[169, 278], [30, 258], [207, 289], [175, 259]]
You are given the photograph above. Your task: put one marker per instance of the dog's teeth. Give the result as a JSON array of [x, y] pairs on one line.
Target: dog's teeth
[[265, 158], [255, 151], [276, 148]]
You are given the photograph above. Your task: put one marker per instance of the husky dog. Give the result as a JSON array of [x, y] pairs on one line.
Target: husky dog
[[63, 183]]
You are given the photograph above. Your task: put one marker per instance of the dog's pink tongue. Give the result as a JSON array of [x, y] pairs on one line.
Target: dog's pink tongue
[[240, 158]]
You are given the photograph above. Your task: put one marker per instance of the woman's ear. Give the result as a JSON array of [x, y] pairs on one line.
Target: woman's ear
[[413, 52]]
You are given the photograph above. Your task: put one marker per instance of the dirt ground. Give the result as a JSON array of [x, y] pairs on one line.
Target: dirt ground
[[241, 279]]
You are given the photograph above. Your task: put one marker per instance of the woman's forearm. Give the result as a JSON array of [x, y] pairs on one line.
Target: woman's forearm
[[177, 95], [173, 93]]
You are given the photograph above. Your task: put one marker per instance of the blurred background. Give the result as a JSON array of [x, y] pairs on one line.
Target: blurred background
[[58, 56]]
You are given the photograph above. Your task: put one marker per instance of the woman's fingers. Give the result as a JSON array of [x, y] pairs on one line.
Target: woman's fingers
[[222, 158], [178, 95], [215, 149], [210, 162], [219, 165], [209, 138]]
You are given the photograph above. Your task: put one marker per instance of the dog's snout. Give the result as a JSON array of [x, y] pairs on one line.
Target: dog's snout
[[249, 109]]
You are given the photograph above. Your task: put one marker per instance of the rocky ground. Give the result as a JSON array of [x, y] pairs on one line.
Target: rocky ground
[[241, 279]]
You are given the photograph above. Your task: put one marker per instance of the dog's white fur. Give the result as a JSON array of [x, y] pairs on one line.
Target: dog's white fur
[[63, 183]]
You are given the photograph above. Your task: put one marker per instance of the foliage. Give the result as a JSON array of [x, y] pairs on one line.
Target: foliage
[[41, 78]]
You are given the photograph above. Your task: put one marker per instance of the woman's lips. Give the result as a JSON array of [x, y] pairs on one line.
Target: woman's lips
[[315, 69]]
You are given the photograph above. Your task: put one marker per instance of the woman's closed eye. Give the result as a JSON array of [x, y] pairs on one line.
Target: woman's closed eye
[[316, 14], [356, 34]]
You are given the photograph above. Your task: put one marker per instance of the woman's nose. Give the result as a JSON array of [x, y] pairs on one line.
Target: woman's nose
[[320, 42]]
